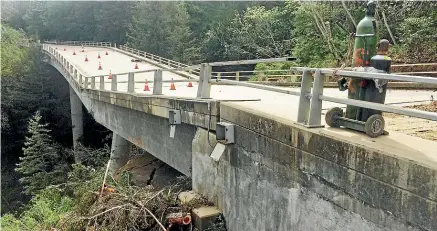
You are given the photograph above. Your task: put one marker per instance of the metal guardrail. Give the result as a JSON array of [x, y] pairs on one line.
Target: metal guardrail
[[310, 93], [81, 43], [161, 60]]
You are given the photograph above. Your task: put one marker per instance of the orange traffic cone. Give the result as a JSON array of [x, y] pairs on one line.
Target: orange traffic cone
[[86, 58], [110, 75], [136, 65], [190, 84], [98, 56], [106, 53], [65, 49], [172, 86], [146, 87], [74, 52], [100, 66]]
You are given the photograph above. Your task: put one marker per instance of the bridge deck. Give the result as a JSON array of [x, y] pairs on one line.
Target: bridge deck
[[280, 106]]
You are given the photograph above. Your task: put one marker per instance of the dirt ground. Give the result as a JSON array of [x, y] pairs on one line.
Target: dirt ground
[[425, 129]]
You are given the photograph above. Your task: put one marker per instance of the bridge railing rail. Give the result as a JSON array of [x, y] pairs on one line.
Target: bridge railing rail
[[311, 91], [81, 43], [168, 62], [310, 94]]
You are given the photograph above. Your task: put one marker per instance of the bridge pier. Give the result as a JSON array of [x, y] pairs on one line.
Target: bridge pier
[[120, 150], [76, 120]]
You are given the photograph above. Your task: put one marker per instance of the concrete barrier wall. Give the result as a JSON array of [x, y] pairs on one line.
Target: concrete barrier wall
[[280, 176]]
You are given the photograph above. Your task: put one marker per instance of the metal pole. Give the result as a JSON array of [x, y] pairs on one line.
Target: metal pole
[[157, 83], [204, 89], [315, 116], [304, 100]]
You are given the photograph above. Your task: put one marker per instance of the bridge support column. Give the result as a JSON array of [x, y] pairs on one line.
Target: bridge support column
[[120, 150], [76, 120]]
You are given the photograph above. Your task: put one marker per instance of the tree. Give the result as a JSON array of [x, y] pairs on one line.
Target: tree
[[261, 33], [42, 164], [162, 28], [112, 21]]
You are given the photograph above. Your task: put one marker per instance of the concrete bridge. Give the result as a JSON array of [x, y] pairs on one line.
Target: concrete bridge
[[277, 174]]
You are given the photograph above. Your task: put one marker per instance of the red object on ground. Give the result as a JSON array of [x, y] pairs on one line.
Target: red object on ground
[[100, 66], [74, 52], [172, 86], [106, 53], [110, 75], [98, 56], [86, 58], [136, 65], [65, 49], [146, 87], [190, 84]]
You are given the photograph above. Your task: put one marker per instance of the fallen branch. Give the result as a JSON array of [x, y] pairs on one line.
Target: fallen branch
[[109, 210], [104, 178], [156, 219]]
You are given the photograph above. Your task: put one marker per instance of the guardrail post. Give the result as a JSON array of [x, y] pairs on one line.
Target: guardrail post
[[93, 83], [86, 83], [102, 82], [315, 116], [304, 100], [130, 83], [114, 83], [237, 76], [204, 89], [157, 83], [219, 75], [75, 74], [80, 80]]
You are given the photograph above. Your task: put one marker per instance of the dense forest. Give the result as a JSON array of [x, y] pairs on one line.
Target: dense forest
[[35, 119]]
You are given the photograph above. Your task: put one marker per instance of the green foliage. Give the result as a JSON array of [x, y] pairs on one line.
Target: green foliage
[[14, 53], [43, 212], [152, 30], [42, 164], [261, 33]]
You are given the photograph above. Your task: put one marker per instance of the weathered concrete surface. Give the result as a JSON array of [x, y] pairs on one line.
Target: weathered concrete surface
[[125, 115], [76, 120], [120, 150], [280, 176], [300, 179]]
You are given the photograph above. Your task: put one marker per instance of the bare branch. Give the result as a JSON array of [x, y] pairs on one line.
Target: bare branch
[[349, 13], [388, 28]]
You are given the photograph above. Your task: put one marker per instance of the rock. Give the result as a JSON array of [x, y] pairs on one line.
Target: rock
[[204, 217], [187, 197]]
